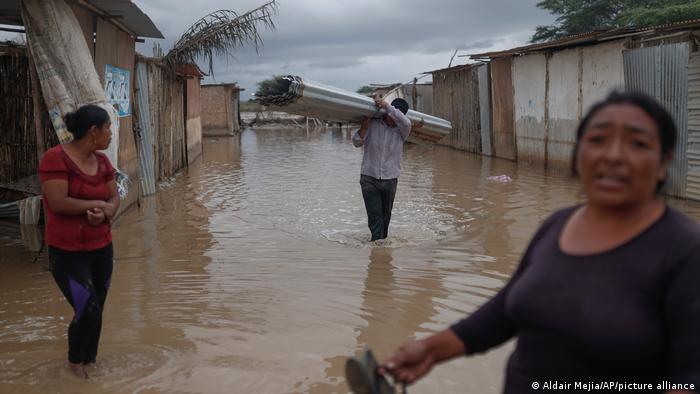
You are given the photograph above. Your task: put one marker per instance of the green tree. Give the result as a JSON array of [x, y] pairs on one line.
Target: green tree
[[581, 16], [271, 86], [365, 89]]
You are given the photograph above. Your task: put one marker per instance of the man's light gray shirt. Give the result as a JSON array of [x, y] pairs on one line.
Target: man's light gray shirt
[[383, 145]]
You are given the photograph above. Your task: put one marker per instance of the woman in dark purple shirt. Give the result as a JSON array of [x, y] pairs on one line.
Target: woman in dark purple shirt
[[607, 295]]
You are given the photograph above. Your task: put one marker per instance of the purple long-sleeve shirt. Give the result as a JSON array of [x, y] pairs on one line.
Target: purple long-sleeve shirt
[[383, 145], [631, 314]]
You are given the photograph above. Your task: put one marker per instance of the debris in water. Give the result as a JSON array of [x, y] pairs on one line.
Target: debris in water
[[500, 178]]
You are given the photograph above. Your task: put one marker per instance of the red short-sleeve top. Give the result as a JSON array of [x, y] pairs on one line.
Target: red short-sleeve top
[[73, 232]]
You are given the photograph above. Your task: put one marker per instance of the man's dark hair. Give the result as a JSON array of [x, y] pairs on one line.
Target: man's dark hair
[[664, 121], [400, 104]]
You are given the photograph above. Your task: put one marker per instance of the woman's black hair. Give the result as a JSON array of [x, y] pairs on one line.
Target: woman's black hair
[[665, 124], [80, 121]]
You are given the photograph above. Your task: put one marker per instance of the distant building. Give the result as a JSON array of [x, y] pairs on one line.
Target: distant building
[[524, 103], [221, 109]]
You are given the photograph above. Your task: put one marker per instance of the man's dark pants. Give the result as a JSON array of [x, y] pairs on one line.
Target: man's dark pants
[[379, 200]]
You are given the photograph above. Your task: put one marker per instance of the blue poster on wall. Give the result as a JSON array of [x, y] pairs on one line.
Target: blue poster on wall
[[117, 89]]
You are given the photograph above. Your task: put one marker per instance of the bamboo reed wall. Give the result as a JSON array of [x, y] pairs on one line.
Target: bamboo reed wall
[[166, 100], [18, 137]]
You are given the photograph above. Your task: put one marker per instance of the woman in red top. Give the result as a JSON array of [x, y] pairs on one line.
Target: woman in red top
[[80, 198]]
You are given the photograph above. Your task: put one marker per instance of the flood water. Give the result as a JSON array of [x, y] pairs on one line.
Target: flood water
[[251, 271]]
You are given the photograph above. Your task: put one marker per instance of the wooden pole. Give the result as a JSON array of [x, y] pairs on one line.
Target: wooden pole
[[414, 94], [184, 111]]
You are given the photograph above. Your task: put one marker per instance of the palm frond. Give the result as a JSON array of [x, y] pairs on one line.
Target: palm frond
[[219, 33]]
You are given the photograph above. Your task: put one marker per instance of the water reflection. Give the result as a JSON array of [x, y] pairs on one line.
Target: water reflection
[[251, 271]]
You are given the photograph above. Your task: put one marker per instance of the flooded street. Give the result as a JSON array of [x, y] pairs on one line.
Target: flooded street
[[251, 271]]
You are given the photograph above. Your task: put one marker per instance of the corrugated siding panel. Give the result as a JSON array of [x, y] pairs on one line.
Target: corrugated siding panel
[[146, 156], [423, 98], [485, 109], [661, 72], [456, 98], [503, 143], [693, 151], [602, 70], [529, 87], [563, 102]]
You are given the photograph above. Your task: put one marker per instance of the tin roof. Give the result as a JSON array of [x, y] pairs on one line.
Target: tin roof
[[189, 70], [454, 68], [232, 85], [129, 15], [590, 38]]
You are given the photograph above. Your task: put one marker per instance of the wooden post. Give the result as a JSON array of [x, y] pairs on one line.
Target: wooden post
[[39, 107], [184, 111], [414, 94]]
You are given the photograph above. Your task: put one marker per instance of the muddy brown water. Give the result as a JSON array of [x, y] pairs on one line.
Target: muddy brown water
[[251, 271]]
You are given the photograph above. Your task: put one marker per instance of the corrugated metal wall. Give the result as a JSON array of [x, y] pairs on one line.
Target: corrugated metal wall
[[145, 140], [661, 71], [602, 70], [424, 97], [485, 108], [529, 103], [423, 100], [456, 98], [693, 152], [502, 108], [565, 69]]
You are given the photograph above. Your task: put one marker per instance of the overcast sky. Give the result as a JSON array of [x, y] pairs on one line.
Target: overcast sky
[[350, 43]]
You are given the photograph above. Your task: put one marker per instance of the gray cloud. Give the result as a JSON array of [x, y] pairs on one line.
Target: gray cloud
[[339, 63], [480, 44], [351, 43]]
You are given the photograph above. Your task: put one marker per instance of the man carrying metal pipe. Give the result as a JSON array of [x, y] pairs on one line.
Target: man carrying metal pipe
[[383, 141]]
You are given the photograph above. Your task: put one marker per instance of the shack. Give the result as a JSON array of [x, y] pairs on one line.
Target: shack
[[111, 30], [461, 95], [221, 111], [540, 92], [419, 96], [168, 121]]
